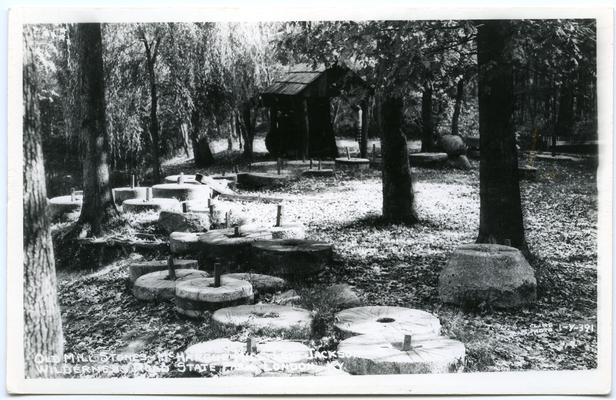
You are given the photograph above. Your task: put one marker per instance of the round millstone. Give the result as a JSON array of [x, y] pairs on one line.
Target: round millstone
[[127, 193], [138, 269], [293, 258], [64, 205], [224, 243], [526, 172], [270, 319], [230, 357], [387, 322], [187, 178], [261, 283], [139, 206], [375, 355], [349, 164], [318, 173], [495, 274], [182, 192], [174, 221], [197, 296], [158, 286], [427, 159], [184, 242], [262, 180], [284, 231]]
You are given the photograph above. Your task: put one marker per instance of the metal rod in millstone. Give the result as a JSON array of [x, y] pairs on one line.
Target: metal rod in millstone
[[72, 195], [278, 214], [311, 163], [132, 181], [184, 207], [228, 219], [171, 267], [217, 274], [373, 151], [348, 153], [148, 194], [407, 345], [278, 164], [251, 346]]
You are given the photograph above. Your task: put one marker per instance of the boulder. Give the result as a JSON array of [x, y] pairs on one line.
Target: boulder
[[173, 221], [459, 162], [453, 145], [145, 267], [267, 319], [493, 274], [341, 296]]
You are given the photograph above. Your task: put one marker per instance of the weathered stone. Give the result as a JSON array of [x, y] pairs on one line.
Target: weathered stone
[[387, 322], [184, 242], [498, 275], [428, 159], [341, 296], [528, 173], [185, 178], [62, 206], [158, 286], [459, 162], [145, 267], [268, 319], [289, 297], [263, 180], [136, 206], [375, 355], [261, 283], [218, 212], [292, 258], [352, 164], [126, 193], [173, 221], [182, 192], [453, 145], [195, 297], [318, 173]]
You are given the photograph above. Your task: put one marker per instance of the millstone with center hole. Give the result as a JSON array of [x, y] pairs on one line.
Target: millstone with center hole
[[197, 296], [269, 319], [352, 164], [158, 286], [136, 206], [126, 193], [174, 221], [184, 242], [218, 212], [262, 180], [230, 357], [261, 283], [293, 258], [387, 322], [182, 192], [63, 206], [427, 159], [142, 268], [375, 355], [497, 275]]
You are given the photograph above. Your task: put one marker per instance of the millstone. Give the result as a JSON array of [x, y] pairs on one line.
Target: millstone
[[261, 283], [270, 319], [497, 275], [526, 172], [263, 166], [262, 180], [427, 159], [126, 193], [557, 157], [284, 231], [138, 206], [318, 173], [174, 221], [293, 258], [218, 212], [459, 162], [197, 296], [231, 358], [387, 322], [305, 164], [63, 205], [187, 178], [375, 355], [182, 192], [158, 286], [184, 242], [453, 145], [352, 163], [138, 269]]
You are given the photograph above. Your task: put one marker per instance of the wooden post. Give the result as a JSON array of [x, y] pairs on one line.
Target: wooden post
[[311, 163], [132, 181], [251, 346], [306, 149], [236, 231], [408, 343], [181, 178], [72, 195], [148, 194], [374, 152], [278, 164], [278, 214], [236, 169], [211, 207], [184, 207], [171, 268], [217, 274], [228, 219], [319, 165], [348, 153], [363, 119]]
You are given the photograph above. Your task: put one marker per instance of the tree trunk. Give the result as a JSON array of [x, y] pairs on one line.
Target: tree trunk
[[565, 119], [201, 148], [42, 321], [98, 207], [427, 141], [363, 144], [457, 106], [150, 55], [249, 130], [398, 197], [501, 210]]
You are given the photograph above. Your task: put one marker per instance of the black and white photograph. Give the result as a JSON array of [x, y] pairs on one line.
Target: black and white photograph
[[326, 202]]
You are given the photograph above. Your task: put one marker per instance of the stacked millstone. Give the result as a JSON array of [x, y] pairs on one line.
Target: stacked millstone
[[496, 275], [221, 214], [182, 191], [317, 170], [150, 203], [184, 221], [350, 164], [139, 269], [65, 207], [122, 194], [395, 340], [291, 258], [455, 148], [160, 285]]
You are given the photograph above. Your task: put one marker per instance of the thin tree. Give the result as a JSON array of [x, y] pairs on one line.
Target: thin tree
[[42, 321], [98, 208], [501, 208]]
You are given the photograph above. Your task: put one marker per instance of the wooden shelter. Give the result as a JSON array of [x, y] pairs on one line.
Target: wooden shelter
[[299, 106]]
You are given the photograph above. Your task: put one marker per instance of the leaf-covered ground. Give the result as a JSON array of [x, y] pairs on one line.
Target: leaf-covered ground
[[389, 265]]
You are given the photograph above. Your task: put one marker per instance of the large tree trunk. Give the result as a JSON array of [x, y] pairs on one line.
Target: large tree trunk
[[42, 322], [565, 118], [427, 141], [248, 123], [457, 106], [201, 147], [98, 207], [363, 144], [398, 197], [151, 53], [501, 210]]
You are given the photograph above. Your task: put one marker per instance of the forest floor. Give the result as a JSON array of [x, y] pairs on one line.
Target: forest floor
[[388, 264]]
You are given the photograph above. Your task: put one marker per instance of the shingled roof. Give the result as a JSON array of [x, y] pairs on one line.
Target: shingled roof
[[297, 79]]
